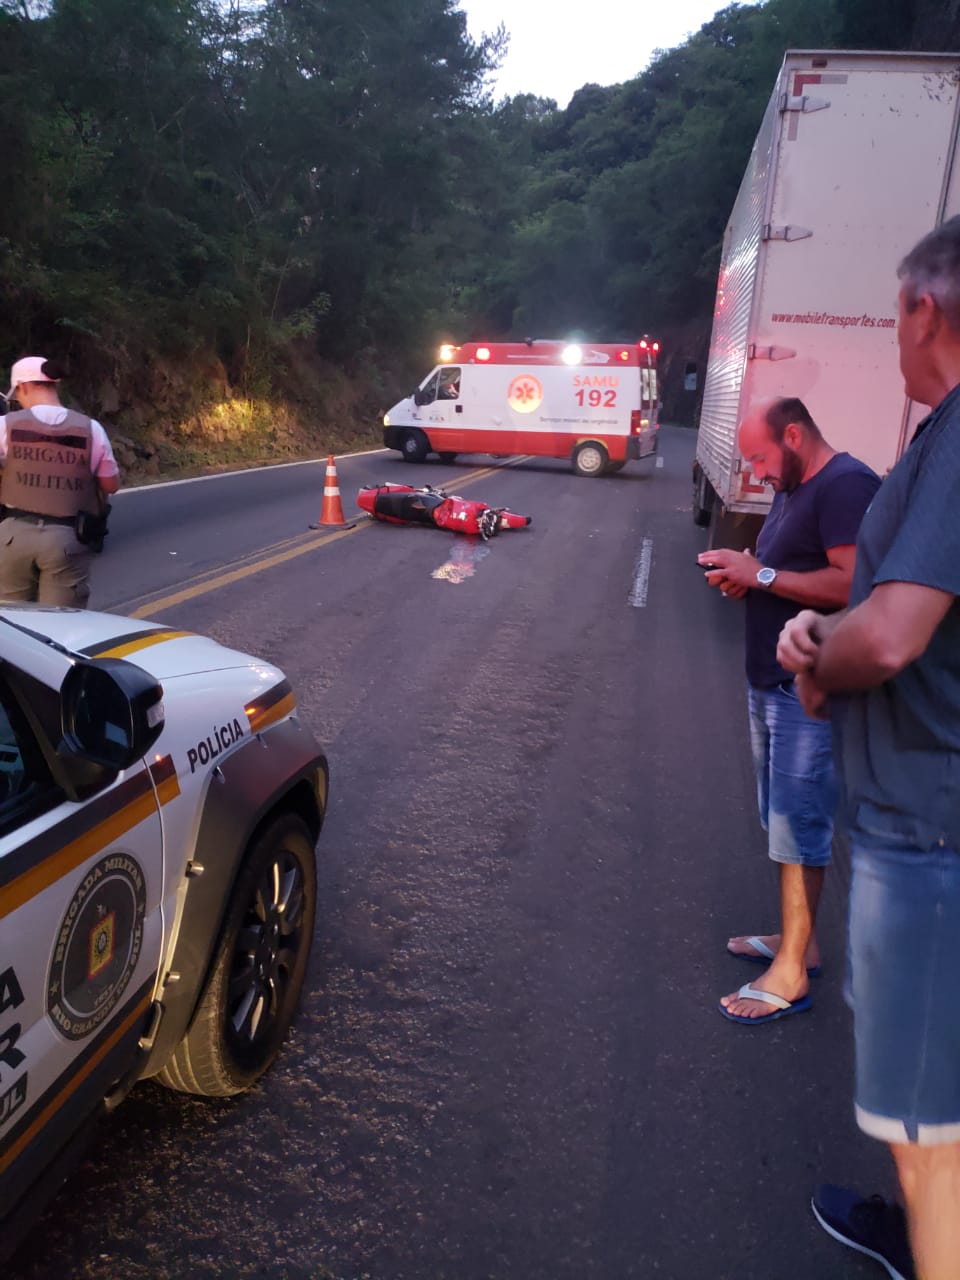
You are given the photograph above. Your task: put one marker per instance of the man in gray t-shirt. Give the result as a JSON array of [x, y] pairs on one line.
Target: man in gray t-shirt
[[888, 669]]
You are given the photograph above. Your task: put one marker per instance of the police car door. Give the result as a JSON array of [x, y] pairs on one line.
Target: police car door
[[80, 923]]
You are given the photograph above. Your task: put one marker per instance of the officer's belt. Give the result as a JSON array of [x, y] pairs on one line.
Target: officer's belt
[[34, 517]]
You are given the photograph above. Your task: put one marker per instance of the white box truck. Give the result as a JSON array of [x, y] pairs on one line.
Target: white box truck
[[854, 162]]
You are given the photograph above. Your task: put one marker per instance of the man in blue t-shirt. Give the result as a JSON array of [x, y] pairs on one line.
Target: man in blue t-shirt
[[891, 665], [805, 557]]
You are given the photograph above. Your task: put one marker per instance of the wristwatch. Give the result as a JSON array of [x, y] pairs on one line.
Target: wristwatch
[[766, 578]]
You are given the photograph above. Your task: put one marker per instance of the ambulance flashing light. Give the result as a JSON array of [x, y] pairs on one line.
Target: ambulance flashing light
[[572, 354]]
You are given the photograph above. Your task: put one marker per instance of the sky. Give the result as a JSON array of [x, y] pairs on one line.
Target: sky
[[554, 49]]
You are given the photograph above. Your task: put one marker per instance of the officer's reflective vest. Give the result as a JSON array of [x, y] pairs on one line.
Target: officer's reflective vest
[[47, 469]]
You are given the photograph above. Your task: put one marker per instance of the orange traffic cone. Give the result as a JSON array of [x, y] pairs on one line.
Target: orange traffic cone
[[332, 510]]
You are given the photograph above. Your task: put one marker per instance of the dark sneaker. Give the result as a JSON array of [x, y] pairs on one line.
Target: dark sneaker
[[872, 1226]]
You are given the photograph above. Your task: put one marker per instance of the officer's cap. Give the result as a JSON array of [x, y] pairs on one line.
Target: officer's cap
[[28, 369]]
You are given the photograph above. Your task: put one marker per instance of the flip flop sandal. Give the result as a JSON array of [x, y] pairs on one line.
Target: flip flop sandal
[[781, 1008], [766, 955]]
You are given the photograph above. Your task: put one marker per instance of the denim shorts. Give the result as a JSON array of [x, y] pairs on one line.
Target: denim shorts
[[904, 954], [793, 761]]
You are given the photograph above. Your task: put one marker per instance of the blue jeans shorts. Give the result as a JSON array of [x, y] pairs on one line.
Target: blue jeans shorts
[[796, 791], [904, 955]]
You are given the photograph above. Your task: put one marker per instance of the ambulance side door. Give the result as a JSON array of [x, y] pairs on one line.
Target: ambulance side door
[[80, 943]]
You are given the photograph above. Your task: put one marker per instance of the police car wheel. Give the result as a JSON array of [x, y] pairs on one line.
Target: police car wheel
[[414, 446], [254, 985], [590, 460]]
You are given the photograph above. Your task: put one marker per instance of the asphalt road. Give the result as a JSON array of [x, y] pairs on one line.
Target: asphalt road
[[509, 1064]]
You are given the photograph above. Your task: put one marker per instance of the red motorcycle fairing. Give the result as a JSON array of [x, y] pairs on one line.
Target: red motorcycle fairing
[[403, 504]]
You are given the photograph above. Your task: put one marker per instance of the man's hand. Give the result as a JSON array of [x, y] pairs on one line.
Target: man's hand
[[812, 698], [735, 572], [799, 642]]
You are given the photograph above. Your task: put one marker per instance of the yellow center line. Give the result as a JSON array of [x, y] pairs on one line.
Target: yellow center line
[[205, 583], [237, 575]]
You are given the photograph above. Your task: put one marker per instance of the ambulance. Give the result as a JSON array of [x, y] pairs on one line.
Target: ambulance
[[594, 403], [160, 803]]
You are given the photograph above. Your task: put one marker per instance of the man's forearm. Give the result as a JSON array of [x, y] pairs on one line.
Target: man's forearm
[[819, 589], [847, 658]]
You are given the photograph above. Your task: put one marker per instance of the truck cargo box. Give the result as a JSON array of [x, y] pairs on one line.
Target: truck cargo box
[[854, 162]]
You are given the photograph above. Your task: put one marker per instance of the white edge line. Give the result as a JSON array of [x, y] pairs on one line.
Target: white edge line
[[511, 461], [641, 575], [242, 471]]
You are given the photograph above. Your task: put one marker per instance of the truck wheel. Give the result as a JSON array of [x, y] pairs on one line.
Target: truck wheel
[[415, 446], [590, 459], [254, 984], [702, 498], [447, 457]]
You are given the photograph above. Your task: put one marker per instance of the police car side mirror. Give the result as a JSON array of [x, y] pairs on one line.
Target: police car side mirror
[[111, 712]]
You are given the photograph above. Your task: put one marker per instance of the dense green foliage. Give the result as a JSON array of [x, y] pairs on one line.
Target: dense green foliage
[[259, 189]]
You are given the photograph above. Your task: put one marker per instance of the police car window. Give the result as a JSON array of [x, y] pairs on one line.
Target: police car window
[[26, 787]]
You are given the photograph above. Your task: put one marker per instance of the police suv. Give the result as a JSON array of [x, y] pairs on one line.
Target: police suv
[[160, 804]]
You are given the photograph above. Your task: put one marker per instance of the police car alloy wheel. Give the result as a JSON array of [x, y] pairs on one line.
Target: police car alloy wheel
[[254, 986]]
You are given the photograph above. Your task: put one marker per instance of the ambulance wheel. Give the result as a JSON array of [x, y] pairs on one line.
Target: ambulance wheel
[[447, 457], [614, 467], [253, 987], [590, 459], [414, 446]]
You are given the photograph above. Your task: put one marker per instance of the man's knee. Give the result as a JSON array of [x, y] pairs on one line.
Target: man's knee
[[65, 574]]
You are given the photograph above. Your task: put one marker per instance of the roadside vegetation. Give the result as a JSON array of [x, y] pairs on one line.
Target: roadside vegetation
[[247, 227]]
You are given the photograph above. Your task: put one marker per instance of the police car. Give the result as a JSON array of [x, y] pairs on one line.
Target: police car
[[160, 803]]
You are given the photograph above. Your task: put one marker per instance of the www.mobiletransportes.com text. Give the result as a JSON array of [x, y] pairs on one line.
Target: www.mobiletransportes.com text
[[825, 317]]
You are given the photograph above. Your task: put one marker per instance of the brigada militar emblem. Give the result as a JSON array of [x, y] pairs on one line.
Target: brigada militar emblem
[[98, 946]]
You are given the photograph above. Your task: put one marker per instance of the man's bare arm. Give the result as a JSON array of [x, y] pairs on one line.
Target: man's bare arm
[[881, 636], [827, 588]]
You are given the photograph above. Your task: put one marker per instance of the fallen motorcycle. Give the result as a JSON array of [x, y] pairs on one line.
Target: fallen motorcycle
[[402, 504]]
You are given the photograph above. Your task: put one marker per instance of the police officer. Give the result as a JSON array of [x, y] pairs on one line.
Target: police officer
[[56, 464]]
